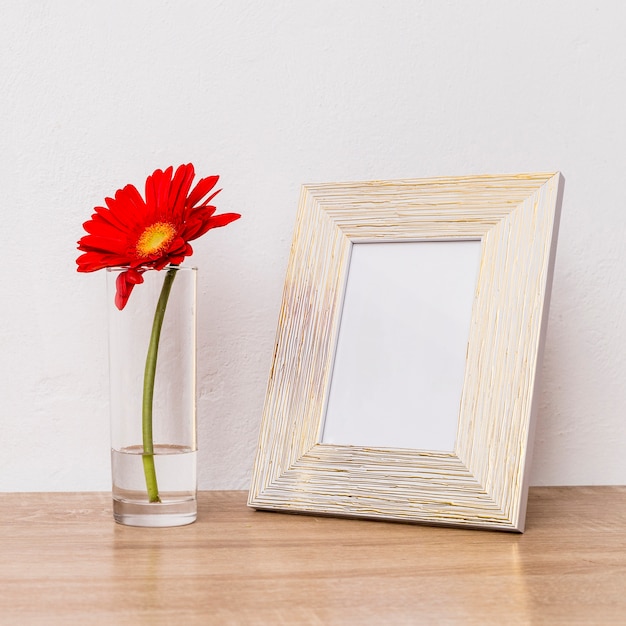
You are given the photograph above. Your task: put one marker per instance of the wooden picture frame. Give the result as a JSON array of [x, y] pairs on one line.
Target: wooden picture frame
[[483, 481]]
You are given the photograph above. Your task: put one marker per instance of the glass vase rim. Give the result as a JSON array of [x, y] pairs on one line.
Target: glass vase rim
[[123, 268]]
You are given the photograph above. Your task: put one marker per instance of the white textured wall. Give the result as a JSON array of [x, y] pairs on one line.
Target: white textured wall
[[271, 95]]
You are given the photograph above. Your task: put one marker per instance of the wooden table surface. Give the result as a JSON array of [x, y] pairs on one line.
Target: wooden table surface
[[63, 560]]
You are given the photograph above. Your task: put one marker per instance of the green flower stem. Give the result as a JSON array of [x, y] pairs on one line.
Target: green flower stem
[[148, 388]]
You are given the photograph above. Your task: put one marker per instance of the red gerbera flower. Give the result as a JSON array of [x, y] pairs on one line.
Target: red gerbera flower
[[150, 233]]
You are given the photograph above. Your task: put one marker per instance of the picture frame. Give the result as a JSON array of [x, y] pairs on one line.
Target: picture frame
[[481, 479]]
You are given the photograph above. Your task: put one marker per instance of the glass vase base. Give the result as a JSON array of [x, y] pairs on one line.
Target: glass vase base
[[175, 469], [155, 514]]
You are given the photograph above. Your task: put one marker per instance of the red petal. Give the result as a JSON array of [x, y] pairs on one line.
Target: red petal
[[106, 215], [92, 261], [133, 276], [124, 285], [151, 192], [178, 191], [206, 202], [215, 222], [163, 183], [102, 244], [132, 200], [201, 189]]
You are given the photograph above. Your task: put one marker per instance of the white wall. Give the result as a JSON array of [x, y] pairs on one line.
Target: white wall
[[271, 95]]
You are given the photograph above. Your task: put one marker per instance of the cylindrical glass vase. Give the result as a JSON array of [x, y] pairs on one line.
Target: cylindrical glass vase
[[152, 362]]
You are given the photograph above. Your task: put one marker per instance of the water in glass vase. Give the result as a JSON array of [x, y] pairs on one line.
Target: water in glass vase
[[176, 478]]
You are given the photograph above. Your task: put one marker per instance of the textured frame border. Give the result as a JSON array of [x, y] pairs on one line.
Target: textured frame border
[[484, 482]]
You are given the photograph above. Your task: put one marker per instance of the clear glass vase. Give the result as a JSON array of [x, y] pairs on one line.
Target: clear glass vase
[[153, 399]]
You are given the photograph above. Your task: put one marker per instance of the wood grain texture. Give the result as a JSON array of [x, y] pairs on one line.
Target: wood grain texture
[[484, 483], [64, 561]]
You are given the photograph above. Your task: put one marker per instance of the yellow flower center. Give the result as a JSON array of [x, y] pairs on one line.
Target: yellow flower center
[[156, 238]]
